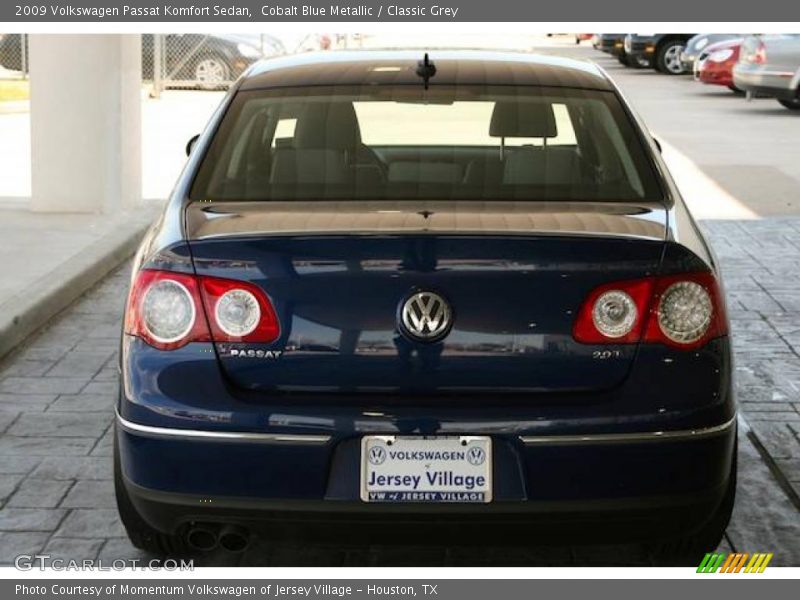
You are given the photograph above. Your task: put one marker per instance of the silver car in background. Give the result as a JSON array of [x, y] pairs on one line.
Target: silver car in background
[[769, 65]]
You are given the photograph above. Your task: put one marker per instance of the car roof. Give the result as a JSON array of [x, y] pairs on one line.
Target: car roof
[[396, 67]]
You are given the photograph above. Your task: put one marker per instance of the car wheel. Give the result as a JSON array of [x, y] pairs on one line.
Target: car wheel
[[211, 72], [637, 63], [142, 535], [791, 104], [668, 58], [690, 550], [735, 89]]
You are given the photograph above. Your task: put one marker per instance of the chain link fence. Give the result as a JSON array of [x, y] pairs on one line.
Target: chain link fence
[[187, 61], [13, 56], [202, 61]]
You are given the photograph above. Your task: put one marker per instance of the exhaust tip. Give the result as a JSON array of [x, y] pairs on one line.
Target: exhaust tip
[[234, 538], [202, 538]]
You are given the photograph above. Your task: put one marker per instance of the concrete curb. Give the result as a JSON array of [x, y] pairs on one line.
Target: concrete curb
[[33, 307]]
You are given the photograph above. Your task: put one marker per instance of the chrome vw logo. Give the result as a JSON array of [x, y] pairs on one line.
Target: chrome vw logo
[[476, 456], [426, 316], [377, 455]]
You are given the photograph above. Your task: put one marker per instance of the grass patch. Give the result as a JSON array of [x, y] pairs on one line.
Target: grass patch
[[14, 91]]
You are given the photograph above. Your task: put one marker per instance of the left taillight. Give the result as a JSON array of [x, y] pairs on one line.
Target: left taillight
[[168, 310]]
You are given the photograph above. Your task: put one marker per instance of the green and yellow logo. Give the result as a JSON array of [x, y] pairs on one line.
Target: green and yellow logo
[[734, 562]]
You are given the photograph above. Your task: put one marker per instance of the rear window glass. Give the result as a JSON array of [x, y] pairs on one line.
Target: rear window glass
[[404, 142]]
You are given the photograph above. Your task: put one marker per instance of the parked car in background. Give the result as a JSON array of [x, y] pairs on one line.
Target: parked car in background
[[715, 64], [611, 43], [662, 51], [699, 43], [769, 65], [637, 60], [207, 61], [581, 37], [192, 60]]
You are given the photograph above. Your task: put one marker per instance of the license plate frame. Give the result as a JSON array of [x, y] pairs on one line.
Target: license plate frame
[[442, 458]]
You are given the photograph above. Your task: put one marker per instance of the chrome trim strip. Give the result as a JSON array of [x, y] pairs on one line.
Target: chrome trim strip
[[428, 232], [612, 438], [220, 436]]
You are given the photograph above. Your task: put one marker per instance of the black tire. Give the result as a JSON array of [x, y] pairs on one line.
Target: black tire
[[690, 550], [736, 90], [623, 59], [791, 104], [668, 58], [635, 63], [142, 535]]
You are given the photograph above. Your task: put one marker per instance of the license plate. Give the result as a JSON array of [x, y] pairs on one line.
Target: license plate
[[426, 469]]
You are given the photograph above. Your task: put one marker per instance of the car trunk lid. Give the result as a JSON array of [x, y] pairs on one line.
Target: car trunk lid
[[513, 273]]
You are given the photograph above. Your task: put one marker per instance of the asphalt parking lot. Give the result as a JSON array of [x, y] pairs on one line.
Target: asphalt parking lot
[[57, 392]]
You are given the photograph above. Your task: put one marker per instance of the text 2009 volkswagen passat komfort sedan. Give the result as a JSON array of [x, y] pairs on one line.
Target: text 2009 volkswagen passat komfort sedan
[[446, 297]]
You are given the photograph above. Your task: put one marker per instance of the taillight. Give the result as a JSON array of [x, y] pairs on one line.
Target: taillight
[[759, 56], [687, 311], [239, 311], [166, 310], [682, 311], [614, 313]]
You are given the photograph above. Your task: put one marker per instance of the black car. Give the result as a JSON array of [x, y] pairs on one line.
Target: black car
[[613, 44], [661, 51], [189, 59]]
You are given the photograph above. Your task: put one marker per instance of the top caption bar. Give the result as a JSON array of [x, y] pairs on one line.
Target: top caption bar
[[469, 11]]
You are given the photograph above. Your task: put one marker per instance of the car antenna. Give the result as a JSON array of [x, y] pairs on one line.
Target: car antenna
[[426, 69]]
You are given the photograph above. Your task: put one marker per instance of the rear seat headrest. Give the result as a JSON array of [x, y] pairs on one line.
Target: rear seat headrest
[[330, 126], [523, 119]]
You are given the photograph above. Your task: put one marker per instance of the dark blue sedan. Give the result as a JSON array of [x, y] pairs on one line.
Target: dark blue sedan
[[446, 297]]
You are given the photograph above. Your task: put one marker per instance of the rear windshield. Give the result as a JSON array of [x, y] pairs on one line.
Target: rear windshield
[[405, 142]]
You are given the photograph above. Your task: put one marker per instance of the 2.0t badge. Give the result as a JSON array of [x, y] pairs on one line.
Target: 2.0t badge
[[425, 316]]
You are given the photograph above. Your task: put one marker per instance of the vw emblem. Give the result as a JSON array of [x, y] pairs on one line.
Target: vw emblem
[[476, 456], [426, 316], [377, 455]]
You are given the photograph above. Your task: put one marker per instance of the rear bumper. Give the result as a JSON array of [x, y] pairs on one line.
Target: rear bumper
[[765, 82], [623, 488]]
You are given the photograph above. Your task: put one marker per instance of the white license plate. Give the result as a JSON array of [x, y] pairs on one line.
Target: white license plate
[[426, 469]]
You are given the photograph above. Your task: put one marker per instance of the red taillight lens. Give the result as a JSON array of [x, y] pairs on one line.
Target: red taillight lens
[[687, 311], [760, 55], [757, 56], [614, 313], [164, 310], [239, 311], [682, 311], [168, 310]]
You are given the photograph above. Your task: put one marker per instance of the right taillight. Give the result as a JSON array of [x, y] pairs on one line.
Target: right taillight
[[168, 310], [682, 311], [687, 310]]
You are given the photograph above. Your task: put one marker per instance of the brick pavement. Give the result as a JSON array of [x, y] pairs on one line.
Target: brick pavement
[[56, 409]]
